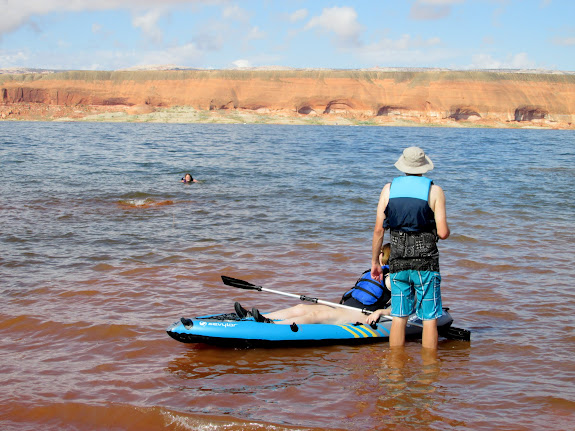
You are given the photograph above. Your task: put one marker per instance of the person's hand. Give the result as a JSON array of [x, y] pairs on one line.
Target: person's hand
[[376, 272], [373, 317]]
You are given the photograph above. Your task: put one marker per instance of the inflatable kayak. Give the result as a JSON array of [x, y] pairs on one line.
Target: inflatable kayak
[[228, 330]]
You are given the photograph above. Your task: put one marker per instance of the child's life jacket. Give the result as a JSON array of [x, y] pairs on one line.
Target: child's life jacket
[[369, 291]]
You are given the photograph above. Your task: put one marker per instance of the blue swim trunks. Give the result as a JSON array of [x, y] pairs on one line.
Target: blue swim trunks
[[417, 291]]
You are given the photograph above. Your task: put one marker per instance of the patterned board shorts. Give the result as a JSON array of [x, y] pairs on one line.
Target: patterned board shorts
[[417, 291]]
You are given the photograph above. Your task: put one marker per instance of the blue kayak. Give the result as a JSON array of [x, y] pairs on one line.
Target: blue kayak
[[228, 330]]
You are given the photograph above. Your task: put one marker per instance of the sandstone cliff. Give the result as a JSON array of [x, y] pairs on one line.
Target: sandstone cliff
[[377, 97]]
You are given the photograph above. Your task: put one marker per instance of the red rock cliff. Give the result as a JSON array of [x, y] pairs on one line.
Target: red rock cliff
[[428, 96]]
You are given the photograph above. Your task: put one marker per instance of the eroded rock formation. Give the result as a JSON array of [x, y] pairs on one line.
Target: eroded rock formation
[[465, 113], [423, 96], [530, 113]]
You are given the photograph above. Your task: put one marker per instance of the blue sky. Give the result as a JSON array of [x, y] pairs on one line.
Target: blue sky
[[220, 34]]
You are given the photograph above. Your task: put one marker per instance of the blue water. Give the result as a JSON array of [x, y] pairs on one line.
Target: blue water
[[98, 236]]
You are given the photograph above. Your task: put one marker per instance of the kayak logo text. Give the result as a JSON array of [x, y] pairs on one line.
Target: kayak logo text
[[225, 325]]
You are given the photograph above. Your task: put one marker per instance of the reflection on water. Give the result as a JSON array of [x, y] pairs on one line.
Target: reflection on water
[[143, 203], [103, 247]]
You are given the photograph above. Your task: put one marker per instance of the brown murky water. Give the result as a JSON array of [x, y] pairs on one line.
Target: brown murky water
[[103, 248]]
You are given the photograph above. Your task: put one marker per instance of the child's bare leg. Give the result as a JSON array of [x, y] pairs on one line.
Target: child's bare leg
[[294, 312], [327, 315]]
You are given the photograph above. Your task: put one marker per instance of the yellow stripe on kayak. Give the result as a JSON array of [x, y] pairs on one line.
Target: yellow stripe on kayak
[[360, 331], [365, 334], [349, 329], [371, 331]]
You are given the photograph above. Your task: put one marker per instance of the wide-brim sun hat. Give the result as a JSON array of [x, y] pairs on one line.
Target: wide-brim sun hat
[[414, 161]]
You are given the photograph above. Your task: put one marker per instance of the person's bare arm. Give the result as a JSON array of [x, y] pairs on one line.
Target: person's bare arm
[[438, 206], [378, 232], [374, 317]]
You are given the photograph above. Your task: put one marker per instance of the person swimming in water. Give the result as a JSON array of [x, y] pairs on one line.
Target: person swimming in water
[[188, 179]]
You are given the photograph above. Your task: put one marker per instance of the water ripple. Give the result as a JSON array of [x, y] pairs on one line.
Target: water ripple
[[103, 247]]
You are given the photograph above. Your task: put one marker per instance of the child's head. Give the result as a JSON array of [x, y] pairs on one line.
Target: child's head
[[384, 253]]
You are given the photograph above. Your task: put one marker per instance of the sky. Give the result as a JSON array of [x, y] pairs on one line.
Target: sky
[[223, 34]]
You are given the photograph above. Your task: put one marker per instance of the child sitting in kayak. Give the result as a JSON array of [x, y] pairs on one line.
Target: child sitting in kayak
[[367, 294]]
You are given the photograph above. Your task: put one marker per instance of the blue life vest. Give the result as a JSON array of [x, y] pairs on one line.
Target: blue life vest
[[411, 224], [408, 208], [369, 291]]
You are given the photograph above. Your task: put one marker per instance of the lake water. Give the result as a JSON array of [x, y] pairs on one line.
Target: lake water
[[103, 248]]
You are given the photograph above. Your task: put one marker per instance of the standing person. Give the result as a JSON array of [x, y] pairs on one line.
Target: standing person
[[412, 208]]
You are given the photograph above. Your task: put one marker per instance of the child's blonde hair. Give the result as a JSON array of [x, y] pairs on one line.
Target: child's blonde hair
[[385, 250]]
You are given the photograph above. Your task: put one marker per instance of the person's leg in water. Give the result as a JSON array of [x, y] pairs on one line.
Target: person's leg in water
[[429, 307], [417, 291], [402, 305], [429, 337]]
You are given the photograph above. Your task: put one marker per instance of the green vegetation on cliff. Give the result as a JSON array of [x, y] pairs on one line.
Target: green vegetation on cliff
[[418, 77]]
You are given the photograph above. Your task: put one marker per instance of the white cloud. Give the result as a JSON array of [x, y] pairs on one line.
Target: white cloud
[[187, 55], [405, 42], [517, 61], [425, 13], [484, 61], [521, 61], [181, 55], [298, 15], [209, 42], [488, 40], [432, 9], [564, 41], [16, 13], [236, 13], [148, 23], [242, 63], [410, 58], [342, 21], [440, 2], [16, 59], [255, 33], [405, 51]]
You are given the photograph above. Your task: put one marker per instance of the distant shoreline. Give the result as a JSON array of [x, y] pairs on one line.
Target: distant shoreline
[[390, 97], [188, 115]]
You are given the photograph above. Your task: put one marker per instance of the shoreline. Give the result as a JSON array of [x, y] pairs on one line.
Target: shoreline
[[189, 115], [472, 99]]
